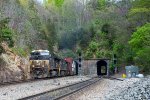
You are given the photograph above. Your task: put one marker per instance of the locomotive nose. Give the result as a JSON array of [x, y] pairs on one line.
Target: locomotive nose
[[38, 62]]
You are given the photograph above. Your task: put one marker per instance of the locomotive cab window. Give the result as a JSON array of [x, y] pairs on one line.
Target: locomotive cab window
[[40, 55]]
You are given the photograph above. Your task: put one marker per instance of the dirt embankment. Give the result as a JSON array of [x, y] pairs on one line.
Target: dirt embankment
[[12, 66]]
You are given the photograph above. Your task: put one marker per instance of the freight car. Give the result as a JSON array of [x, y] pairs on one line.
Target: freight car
[[71, 69], [43, 64]]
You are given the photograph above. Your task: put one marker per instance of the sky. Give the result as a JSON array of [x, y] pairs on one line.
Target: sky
[[40, 1]]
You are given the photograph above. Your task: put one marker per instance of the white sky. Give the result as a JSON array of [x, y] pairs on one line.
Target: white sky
[[40, 1]]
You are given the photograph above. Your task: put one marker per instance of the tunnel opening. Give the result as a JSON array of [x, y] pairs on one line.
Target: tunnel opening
[[101, 67]]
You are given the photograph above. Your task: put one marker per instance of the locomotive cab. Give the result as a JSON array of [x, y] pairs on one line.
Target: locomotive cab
[[39, 63]]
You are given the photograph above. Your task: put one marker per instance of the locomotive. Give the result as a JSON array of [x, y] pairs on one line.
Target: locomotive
[[44, 64]]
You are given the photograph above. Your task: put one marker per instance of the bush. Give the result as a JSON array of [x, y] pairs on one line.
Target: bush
[[5, 34], [19, 51]]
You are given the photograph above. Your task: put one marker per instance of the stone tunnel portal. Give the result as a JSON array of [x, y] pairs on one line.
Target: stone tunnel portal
[[102, 67]]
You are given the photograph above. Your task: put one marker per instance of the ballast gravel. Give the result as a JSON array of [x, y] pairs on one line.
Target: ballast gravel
[[129, 89], [13, 92], [137, 91]]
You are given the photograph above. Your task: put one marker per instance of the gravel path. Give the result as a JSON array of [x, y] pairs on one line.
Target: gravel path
[[14, 92], [129, 89]]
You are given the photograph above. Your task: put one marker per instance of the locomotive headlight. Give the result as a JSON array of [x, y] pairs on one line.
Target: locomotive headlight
[[33, 66], [38, 62]]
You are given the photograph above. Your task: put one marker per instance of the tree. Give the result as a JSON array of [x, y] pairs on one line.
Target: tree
[[139, 14], [140, 44]]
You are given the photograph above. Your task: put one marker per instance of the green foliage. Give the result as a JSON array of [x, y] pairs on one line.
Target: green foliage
[[117, 47], [93, 46], [49, 1], [7, 36], [88, 54], [24, 3], [102, 4], [93, 50], [33, 16], [141, 38], [56, 3], [38, 20], [142, 59], [141, 3], [20, 51], [50, 35], [139, 10], [67, 53], [139, 13], [59, 3], [98, 4], [140, 44], [99, 47], [5, 33], [79, 51]]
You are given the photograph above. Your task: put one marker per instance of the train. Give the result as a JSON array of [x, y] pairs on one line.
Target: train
[[44, 64]]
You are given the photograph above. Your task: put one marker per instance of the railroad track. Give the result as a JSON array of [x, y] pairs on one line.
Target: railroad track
[[76, 93], [62, 92]]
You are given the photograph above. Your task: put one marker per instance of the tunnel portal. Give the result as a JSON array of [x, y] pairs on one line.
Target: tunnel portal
[[101, 67]]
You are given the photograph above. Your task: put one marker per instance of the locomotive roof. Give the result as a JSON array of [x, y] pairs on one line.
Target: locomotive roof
[[47, 52], [40, 51]]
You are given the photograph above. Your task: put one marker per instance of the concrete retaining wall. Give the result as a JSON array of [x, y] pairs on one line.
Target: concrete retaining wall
[[89, 66]]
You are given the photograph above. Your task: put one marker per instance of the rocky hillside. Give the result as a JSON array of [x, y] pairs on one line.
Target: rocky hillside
[[28, 25], [12, 66]]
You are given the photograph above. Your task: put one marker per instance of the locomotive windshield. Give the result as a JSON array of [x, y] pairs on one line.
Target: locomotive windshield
[[35, 53], [40, 55]]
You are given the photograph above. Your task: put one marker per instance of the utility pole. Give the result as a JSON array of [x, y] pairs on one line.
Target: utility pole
[[79, 64], [115, 62]]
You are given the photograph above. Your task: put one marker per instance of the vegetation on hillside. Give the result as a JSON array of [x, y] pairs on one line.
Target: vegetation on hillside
[[140, 43], [6, 34], [99, 28]]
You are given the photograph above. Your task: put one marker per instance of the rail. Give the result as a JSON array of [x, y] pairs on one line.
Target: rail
[[62, 92]]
